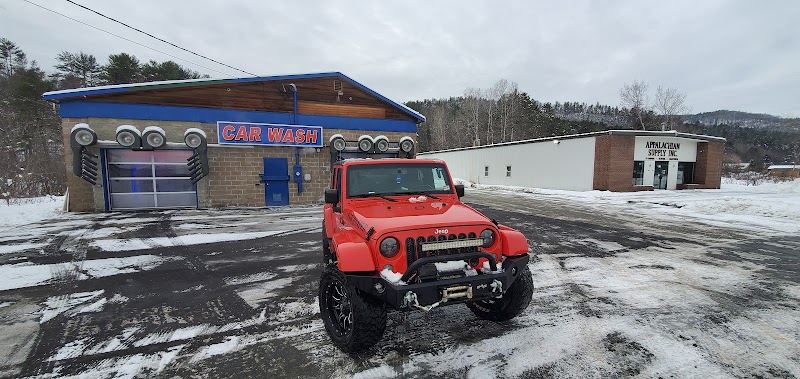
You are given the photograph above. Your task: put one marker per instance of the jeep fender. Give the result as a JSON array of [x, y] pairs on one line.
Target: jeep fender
[[352, 252], [329, 220], [514, 242]]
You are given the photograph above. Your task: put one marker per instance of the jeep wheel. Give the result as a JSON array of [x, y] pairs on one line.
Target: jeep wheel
[[513, 302], [353, 321], [327, 255]]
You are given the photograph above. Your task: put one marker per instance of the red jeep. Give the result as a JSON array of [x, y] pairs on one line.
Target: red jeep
[[396, 234]]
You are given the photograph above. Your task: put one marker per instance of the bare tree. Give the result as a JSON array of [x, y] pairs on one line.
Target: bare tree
[[634, 97], [472, 113], [508, 104], [669, 103], [438, 124]]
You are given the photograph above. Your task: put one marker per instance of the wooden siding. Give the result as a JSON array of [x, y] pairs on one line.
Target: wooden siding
[[315, 96]]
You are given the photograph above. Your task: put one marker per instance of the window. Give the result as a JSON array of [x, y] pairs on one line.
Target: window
[[638, 173], [685, 173], [486, 171], [149, 179], [391, 179], [508, 171]]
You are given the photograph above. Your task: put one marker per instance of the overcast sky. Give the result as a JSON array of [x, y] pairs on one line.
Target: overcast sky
[[738, 55]]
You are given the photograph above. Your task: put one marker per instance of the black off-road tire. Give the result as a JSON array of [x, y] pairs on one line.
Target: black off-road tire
[[337, 300], [327, 254], [513, 302]]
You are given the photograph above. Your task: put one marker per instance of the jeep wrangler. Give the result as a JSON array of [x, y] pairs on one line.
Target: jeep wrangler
[[396, 235]]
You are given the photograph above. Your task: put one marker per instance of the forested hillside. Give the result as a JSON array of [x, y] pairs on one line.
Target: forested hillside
[[503, 113]]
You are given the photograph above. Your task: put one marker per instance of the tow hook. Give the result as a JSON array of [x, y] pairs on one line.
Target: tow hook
[[410, 300], [497, 287]]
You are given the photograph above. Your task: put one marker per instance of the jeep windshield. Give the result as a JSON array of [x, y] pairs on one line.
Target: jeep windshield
[[382, 180]]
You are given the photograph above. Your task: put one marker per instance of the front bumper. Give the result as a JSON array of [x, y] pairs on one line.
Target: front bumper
[[442, 292]]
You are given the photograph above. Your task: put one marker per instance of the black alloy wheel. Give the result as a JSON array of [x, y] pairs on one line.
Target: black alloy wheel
[[513, 302], [354, 321]]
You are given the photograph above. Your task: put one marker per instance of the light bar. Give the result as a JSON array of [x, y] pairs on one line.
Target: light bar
[[451, 244]]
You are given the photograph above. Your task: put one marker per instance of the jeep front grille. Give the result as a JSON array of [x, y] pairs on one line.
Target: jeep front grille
[[442, 245]]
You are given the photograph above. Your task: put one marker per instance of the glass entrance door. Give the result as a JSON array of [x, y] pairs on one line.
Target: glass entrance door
[[660, 175]]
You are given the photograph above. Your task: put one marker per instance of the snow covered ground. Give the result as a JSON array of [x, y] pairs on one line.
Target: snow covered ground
[[768, 207], [702, 283], [27, 211]]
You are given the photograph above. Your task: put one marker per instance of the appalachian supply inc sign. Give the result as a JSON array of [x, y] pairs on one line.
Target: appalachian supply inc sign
[[656, 149], [248, 133]]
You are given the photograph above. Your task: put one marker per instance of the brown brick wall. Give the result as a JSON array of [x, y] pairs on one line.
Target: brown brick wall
[[601, 153], [81, 194], [233, 178], [708, 169], [613, 163]]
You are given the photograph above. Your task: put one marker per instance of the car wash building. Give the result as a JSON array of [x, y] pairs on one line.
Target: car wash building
[[259, 141], [614, 160]]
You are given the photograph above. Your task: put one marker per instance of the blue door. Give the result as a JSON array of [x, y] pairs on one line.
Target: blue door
[[276, 181]]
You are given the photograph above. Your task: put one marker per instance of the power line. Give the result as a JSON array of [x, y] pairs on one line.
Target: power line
[[150, 35], [129, 40]]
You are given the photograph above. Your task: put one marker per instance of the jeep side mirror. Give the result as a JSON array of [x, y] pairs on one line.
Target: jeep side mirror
[[460, 190], [331, 196]]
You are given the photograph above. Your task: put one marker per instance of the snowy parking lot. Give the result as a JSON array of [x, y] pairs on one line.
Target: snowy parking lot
[[702, 283]]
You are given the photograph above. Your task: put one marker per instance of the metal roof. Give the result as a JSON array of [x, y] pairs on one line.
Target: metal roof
[[118, 88], [636, 133]]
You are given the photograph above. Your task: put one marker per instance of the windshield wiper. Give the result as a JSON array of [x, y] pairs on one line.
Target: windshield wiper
[[362, 195], [415, 193]]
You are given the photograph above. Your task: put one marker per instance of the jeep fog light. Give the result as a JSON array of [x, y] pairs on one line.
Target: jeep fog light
[[488, 237], [389, 247]]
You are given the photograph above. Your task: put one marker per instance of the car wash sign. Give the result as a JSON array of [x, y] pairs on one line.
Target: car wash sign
[[248, 133]]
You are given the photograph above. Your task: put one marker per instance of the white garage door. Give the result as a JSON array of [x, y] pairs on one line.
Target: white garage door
[[149, 179]]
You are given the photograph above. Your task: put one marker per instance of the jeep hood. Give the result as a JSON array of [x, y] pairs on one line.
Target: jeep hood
[[403, 215]]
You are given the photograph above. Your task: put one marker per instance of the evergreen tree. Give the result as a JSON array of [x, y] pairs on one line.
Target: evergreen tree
[[121, 68], [12, 57], [168, 70], [77, 70]]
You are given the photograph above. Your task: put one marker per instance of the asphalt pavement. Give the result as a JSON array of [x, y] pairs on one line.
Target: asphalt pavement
[[150, 295]]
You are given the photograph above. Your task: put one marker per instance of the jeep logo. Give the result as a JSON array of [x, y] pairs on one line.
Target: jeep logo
[[441, 231]]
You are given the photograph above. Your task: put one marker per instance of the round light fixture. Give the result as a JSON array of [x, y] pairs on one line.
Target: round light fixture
[[85, 137], [154, 137], [338, 142], [406, 144], [126, 138], [382, 144], [193, 140], [365, 143]]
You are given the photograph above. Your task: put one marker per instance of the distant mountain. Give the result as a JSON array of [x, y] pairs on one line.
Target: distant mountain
[[743, 119]]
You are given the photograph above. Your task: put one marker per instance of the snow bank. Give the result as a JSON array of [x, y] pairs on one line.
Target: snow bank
[[30, 211]]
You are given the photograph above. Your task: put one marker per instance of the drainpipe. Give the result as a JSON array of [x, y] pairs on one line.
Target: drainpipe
[[297, 169]]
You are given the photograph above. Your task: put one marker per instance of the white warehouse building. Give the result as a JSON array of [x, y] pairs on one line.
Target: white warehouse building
[[614, 160]]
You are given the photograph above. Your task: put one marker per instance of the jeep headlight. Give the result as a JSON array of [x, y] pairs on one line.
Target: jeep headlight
[[488, 237], [389, 247]]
